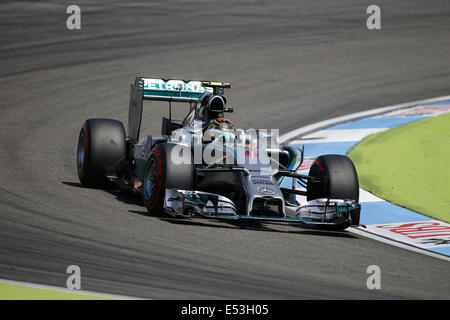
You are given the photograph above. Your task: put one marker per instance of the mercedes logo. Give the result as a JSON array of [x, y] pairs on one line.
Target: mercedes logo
[[265, 190]]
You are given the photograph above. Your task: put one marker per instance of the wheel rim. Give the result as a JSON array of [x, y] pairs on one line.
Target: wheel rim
[[151, 179], [81, 152]]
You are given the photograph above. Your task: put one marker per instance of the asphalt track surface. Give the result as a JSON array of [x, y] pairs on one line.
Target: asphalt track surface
[[290, 64]]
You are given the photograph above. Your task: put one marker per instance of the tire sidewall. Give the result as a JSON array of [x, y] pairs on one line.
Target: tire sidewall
[[154, 201], [83, 136], [104, 143]]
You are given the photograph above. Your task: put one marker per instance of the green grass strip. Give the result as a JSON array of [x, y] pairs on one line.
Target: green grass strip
[[409, 165], [16, 292]]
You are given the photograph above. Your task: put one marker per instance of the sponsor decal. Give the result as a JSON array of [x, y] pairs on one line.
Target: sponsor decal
[[265, 190], [174, 85], [423, 234], [437, 241], [431, 110]]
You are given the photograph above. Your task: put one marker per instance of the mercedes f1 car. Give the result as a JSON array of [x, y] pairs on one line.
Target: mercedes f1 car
[[204, 167]]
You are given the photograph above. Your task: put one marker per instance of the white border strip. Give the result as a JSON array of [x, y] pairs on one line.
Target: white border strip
[[330, 122], [64, 290]]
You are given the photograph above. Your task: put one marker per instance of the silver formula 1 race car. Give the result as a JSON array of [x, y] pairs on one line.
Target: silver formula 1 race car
[[203, 166]]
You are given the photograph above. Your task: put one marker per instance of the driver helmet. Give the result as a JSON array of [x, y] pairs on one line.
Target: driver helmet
[[220, 128], [221, 124]]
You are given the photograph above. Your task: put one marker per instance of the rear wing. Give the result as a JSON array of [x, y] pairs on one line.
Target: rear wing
[[173, 90], [165, 90]]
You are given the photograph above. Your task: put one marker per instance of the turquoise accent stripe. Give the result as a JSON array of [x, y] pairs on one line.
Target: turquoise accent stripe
[[172, 94]]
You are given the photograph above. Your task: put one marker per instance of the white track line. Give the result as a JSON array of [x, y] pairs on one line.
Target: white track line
[[330, 122], [339, 135]]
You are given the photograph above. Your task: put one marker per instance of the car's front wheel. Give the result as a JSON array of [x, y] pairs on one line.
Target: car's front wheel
[[338, 179], [165, 170]]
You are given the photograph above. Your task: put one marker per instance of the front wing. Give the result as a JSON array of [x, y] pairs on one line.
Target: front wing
[[319, 212]]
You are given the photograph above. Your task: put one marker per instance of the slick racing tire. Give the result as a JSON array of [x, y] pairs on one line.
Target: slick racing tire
[[338, 176], [338, 180], [101, 151], [165, 170]]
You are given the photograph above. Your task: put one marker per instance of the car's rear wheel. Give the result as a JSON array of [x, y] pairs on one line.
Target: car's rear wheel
[[101, 151]]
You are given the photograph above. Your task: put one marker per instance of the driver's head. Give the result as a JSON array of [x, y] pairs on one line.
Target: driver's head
[[220, 128], [221, 124]]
